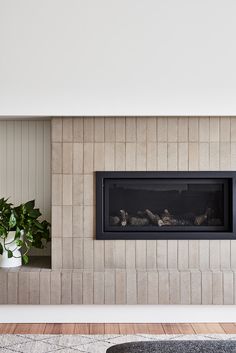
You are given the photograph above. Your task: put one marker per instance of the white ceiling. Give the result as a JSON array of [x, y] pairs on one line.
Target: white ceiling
[[117, 57]]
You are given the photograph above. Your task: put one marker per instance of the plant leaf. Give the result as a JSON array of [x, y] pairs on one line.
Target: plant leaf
[[9, 254], [1, 249], [12, 221], [19, 242], [17, 234], [30, 205], [25, 259]]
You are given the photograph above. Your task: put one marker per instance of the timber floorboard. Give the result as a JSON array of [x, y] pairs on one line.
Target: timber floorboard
[[122, 328]]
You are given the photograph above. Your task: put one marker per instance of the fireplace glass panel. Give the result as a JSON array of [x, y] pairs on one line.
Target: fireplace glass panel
[[166, 204]]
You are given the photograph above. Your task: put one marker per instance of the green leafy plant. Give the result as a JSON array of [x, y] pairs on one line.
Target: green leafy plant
[[24, 221]]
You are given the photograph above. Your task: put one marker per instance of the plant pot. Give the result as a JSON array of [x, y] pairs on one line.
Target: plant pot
[[10, 245]]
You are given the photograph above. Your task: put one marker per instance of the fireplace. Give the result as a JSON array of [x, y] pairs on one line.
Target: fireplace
[[165, 205]]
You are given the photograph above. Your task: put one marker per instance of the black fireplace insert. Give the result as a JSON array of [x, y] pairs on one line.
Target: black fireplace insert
[[165, 205]]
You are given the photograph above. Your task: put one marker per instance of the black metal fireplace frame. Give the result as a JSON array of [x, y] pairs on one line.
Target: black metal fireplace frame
[[110, 233]]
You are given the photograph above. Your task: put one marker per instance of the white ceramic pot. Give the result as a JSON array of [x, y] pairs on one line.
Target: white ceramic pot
[[11, 245]]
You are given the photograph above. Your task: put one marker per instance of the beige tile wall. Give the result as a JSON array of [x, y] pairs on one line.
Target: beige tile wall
[[81, 146]]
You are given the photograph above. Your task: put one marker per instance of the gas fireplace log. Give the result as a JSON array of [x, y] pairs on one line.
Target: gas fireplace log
[[114, 221], [136, 221], [199, 220], [154, 218], [124, 218]]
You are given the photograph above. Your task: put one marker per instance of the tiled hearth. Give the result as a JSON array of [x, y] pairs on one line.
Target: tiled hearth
[[85, 270]]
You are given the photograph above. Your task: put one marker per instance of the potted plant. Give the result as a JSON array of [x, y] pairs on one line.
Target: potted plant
[[20, 229]]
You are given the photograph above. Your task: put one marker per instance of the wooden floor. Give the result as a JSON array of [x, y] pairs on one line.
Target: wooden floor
[[93, 329]]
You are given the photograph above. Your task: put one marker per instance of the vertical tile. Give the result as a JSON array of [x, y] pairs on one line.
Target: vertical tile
[[141, 254], [183, 129], [225, 156], [204, 252], [56, 189], [87, 287], [130, 157], [232, 254], [225, 129], [3, 287], [141, 153], [67, 189], [99, 156], [23, 287], [204, 133], [99, 288], [109, 254], [78, 190], [120, 253], [67, 133], [151, 254], [185, 288], [163, 285], [78, 129], [214, 156], [225, 254], [193, 156], [233, 129], [78, 155], [193, 129], [204, 156], [141, 129], [151, 129], [67, 158], [34, 287], [45, 278], [152, 287], [228, 287], [130, 129], [89, 129], [193, 254], [214, 129], [12, 287], [172, 254], [56, 129], [77, 288], [88, 190], [120, 129], [206, 287], [233, 155], [183, 254], [55, 288], [172, 129], [162, 254], [130, 254], [174, 279], [109, 287], [142, 287], [88, 158], [67, 221], [131, 287], [77, 223], [151, 156], [89, 221], [162, 156], [217, 288], [99, 255], [120, 156], [183, 156], [56, 221], [215, 254], [110, 129], [66, 287], [88, 254], [56, 158], [109, 156], [67, 250], [162, 129], [56, 253], [172, 153], [99, 129], [78, 253], [196, 287], [120, 287]]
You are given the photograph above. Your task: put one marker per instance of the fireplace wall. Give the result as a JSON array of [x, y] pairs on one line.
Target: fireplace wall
[[120, 271]]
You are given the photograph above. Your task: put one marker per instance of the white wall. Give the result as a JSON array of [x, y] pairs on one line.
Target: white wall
[[111, 57]]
